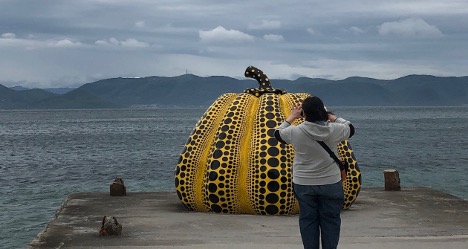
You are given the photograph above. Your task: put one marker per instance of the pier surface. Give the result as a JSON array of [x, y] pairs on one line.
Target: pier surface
[[412, 218]]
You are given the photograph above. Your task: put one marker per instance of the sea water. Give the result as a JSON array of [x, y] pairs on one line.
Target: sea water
[[47, 154]]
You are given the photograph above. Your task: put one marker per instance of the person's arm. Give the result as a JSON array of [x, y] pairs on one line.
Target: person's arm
[[333, 118], [295, 114]]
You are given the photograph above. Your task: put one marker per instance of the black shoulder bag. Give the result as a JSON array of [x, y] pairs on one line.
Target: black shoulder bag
[[342, 165]]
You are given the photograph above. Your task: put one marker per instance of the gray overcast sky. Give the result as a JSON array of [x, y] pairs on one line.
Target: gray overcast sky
[[53, 43]]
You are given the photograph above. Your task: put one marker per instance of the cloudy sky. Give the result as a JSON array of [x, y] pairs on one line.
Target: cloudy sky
[[53, 43]]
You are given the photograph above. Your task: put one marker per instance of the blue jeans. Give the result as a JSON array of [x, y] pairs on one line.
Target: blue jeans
[[319, 216]]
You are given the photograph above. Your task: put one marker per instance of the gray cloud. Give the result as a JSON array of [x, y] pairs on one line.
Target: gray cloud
[[131, 42], [273, 37], [266, 24], [60, 43], [412, 27], [220, 34]]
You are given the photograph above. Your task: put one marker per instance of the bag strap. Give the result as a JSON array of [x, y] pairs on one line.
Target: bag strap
[[330, 152], [332, 155]]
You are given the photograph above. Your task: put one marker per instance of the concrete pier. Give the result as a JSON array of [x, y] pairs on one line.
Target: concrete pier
[[411, 218]]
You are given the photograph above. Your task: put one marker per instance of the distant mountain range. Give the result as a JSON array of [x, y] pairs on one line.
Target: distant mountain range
[[60, 90], [193, 91]]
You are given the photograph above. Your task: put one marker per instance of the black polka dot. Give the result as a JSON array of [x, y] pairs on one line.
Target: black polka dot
[[273, 186], [219, 144], [212, 188], [273, 151], [272, 198], [273, 174], [272, 141], [216, 208], [213, 176], [273, 162], [271, 124], [271, 209], [214, 164], [214, 198], [217, 154]]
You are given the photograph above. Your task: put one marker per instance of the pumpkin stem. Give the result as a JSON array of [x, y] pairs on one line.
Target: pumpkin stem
[[253, 72]]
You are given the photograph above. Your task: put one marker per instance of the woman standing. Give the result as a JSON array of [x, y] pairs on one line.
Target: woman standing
[[316, 177]]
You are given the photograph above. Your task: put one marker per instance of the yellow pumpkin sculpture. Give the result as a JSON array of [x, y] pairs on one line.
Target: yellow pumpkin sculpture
[[232, 162]]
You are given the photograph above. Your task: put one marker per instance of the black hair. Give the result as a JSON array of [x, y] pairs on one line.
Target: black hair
[[314, 109]]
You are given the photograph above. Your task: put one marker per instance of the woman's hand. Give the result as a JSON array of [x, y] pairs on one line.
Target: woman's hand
[[296, 112]]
